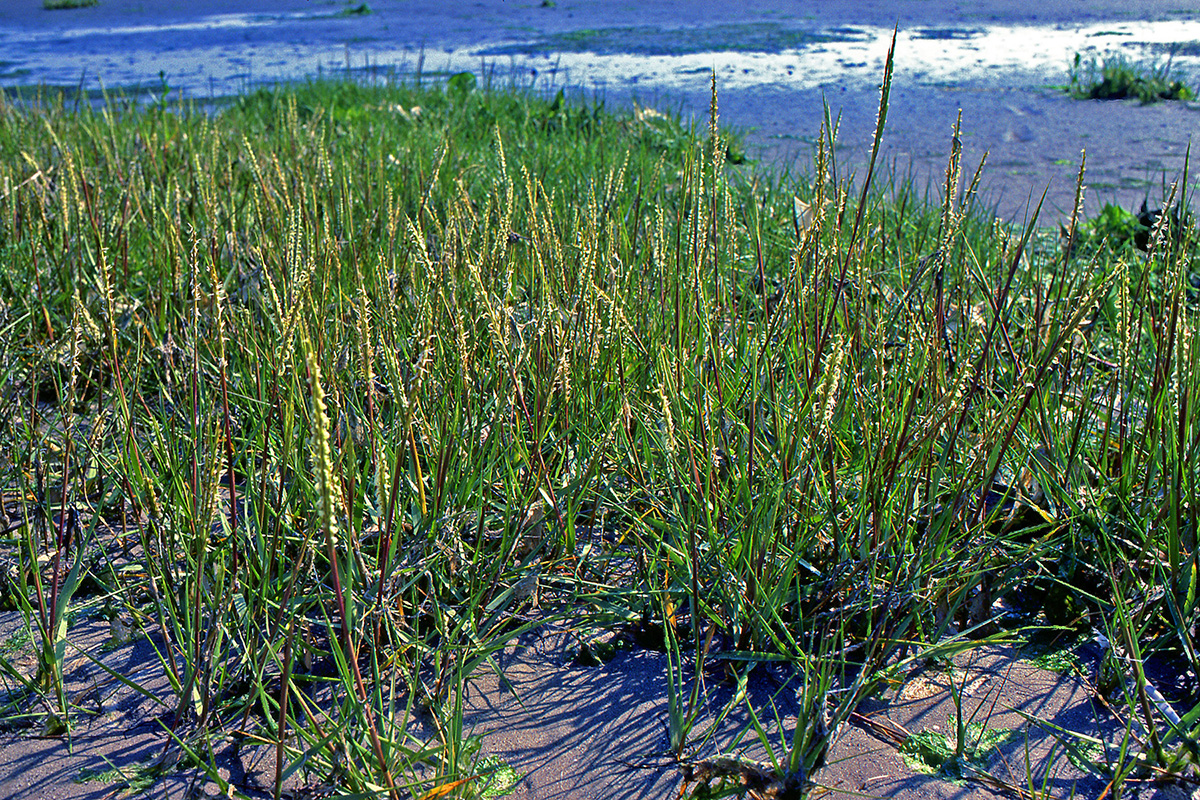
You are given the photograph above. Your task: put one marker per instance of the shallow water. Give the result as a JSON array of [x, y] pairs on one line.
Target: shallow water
[[227, 51], [776, 65]]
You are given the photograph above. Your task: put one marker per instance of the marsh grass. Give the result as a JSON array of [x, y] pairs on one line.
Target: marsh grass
[[57, 5], [1118, 78], [341, 378]]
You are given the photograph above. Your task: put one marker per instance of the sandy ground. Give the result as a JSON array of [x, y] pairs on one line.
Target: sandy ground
[[587, 733]]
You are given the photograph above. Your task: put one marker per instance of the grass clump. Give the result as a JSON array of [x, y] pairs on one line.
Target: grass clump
[[1118, 78], [1116, 228], [339, 380]]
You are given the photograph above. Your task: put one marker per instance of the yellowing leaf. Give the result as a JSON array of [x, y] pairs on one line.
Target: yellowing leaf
[[446, 788]]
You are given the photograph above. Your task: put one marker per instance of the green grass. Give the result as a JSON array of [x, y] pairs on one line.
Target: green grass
[[56, 5], [1118, 78], [355, 364]]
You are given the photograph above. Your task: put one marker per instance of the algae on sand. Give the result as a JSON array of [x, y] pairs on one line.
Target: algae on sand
[[934, 753], [656, 41]]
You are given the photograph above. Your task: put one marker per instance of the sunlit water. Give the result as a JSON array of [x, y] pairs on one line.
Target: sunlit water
[[1002, 55]]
